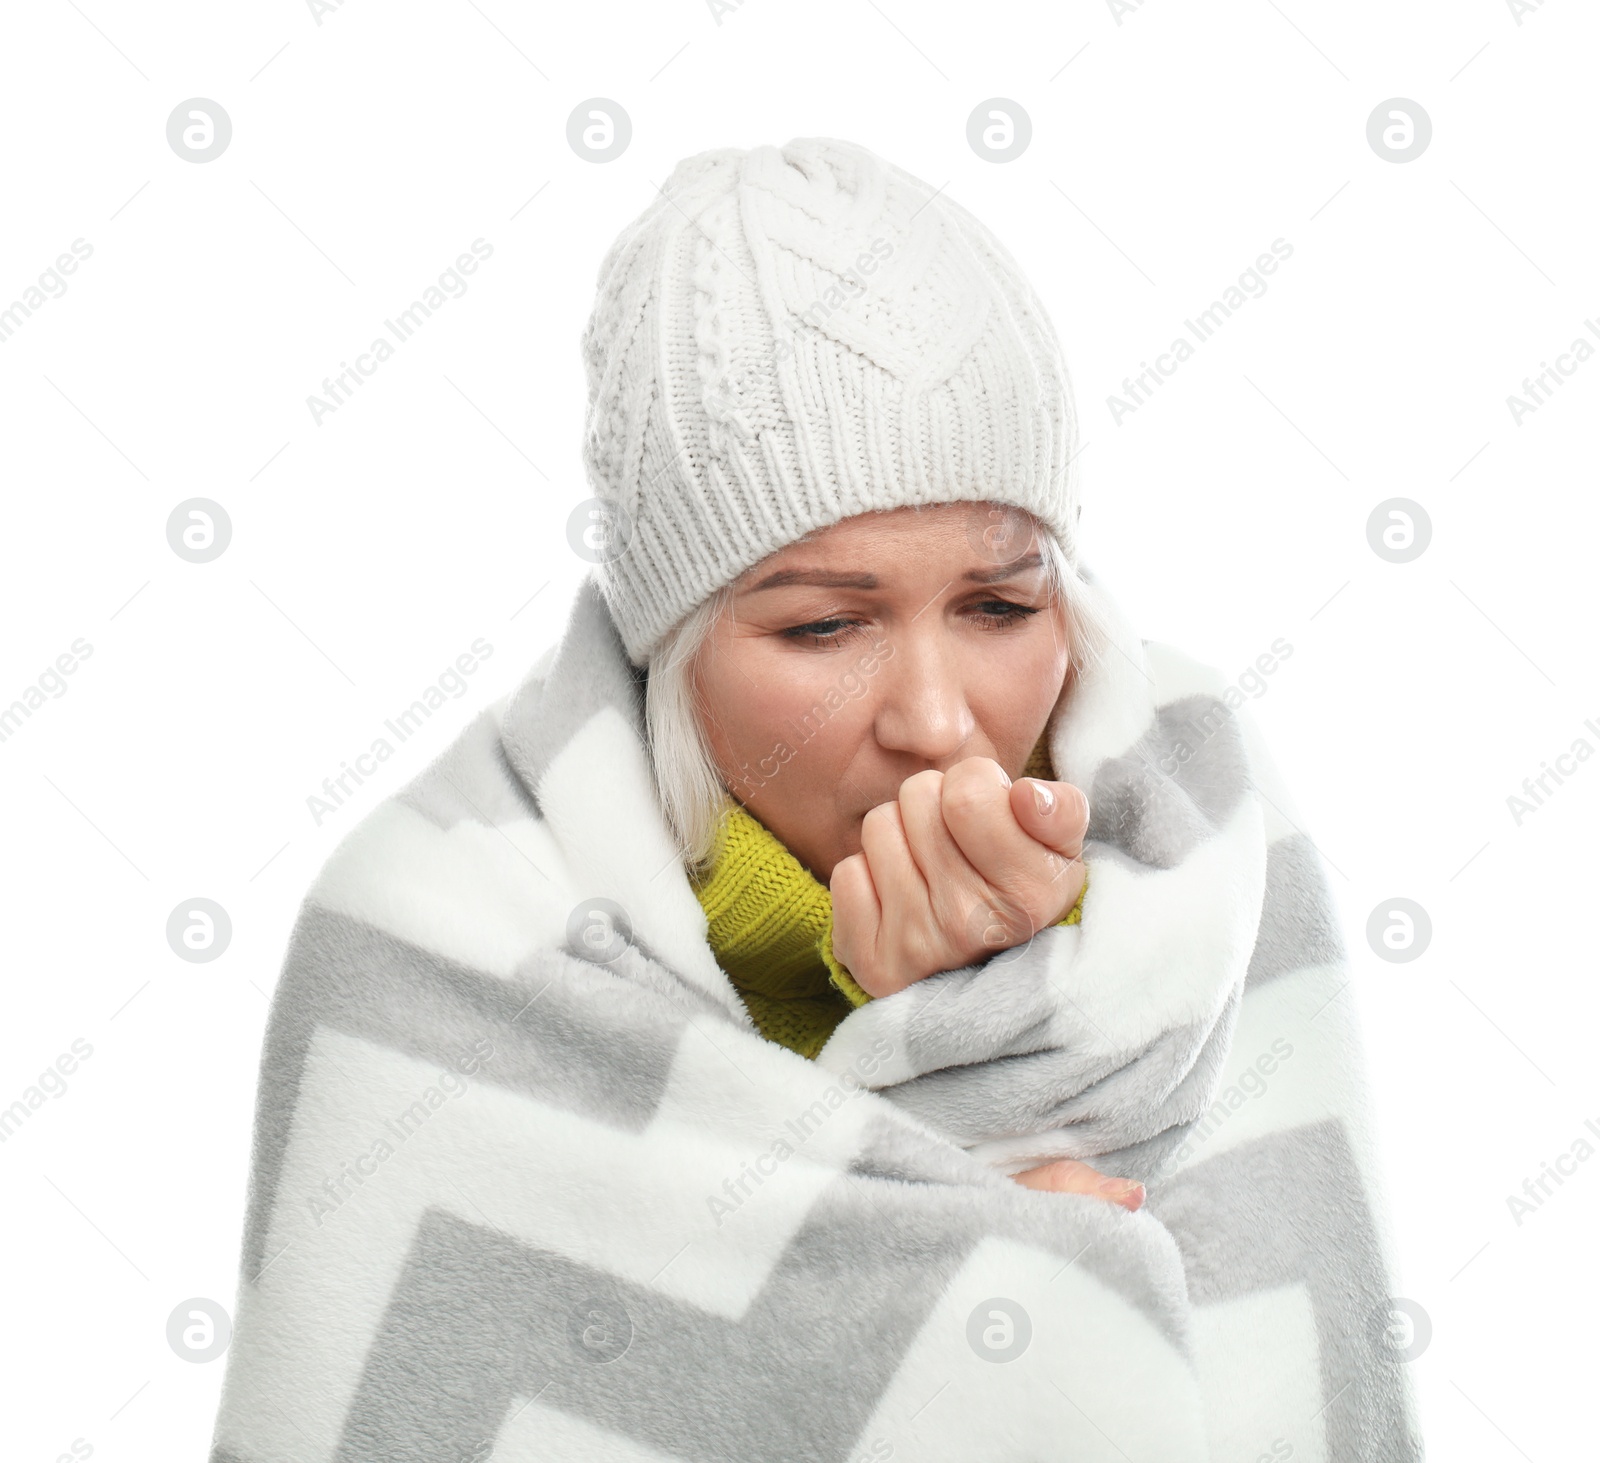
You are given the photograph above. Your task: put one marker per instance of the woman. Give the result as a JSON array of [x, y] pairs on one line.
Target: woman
[[670, 1070]]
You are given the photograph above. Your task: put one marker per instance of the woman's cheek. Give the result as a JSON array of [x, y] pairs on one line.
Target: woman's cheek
[[812, 748], [770, 715], [1027, 680]]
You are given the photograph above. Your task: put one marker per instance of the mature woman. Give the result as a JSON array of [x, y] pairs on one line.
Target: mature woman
[[857, 998]]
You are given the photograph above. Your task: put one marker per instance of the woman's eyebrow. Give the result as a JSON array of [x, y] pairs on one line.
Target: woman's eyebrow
[[826, 578], [1005, 571]]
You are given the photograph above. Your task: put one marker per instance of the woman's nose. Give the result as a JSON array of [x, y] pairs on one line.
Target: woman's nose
[[922, 704]]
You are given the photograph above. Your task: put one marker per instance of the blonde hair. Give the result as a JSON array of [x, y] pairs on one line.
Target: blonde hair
[[693, 795]]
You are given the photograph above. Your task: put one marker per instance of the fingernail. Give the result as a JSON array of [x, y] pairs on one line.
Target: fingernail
[[1125, 1191], [1043, 799]]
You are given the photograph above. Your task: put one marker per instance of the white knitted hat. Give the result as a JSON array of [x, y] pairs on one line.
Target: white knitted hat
[[791, 336]]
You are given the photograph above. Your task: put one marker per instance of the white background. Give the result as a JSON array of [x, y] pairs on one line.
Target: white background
[[1168, 151]]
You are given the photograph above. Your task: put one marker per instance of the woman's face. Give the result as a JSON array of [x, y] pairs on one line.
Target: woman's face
[[885, 644]]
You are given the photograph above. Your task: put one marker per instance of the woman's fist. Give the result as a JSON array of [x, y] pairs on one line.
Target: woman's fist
[[961, 864]]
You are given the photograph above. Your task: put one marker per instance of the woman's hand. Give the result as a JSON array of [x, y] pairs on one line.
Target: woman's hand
[[962, 864], [1069, 1176]]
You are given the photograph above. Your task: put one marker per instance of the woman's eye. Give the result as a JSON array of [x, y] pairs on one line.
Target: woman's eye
[[819, 632], [1001, 612]]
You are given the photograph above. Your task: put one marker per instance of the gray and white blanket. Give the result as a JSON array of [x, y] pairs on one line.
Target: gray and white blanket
[[528, 1184]]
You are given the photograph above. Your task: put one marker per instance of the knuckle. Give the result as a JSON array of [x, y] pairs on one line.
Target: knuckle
[[925, 784], [885, 817], [966, 793], [970, 769]]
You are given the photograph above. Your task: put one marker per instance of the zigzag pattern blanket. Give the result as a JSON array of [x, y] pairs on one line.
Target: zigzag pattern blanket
[[528, 1184]]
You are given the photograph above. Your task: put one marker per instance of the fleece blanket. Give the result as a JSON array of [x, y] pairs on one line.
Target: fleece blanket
[[528, 1184]]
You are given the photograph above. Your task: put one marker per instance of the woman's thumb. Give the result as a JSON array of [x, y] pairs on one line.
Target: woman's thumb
[[1054, 813]]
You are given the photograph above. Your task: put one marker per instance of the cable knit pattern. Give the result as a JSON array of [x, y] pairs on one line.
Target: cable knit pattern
[[791, 336]]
